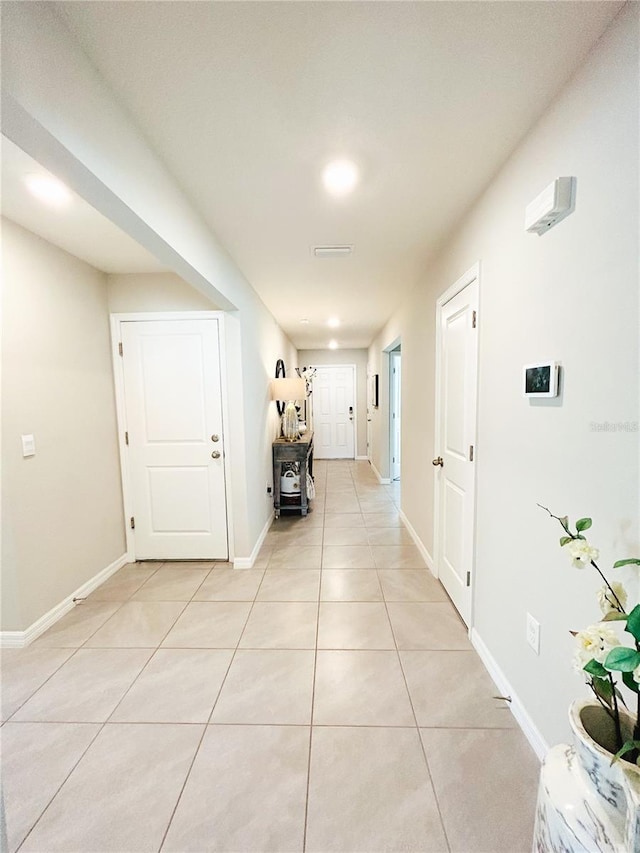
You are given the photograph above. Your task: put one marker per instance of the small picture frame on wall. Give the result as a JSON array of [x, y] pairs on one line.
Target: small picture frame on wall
[[540, 380], [375, 384]]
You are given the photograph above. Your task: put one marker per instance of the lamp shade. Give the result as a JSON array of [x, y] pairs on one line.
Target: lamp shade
[[288, 389]]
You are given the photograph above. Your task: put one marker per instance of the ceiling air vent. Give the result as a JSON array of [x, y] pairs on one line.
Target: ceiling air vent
[[332, 251]]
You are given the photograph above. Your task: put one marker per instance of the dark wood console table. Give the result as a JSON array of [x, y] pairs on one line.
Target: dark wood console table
[[293, 451]]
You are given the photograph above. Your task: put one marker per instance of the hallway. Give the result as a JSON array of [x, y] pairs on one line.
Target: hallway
[[326, 700]]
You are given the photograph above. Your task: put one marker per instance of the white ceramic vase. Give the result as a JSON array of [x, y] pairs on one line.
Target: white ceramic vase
[[586, 804]]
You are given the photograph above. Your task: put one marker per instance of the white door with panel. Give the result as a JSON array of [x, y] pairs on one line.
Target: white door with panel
[[455, 445], [334, 411], [175, 452]]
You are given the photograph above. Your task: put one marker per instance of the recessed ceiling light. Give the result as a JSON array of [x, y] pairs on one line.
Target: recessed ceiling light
[[48, 189], [333, 322], [333, 344], [304, 321], [340, 177]]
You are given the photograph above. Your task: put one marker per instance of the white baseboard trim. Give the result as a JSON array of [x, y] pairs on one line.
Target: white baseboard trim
[[536, 741], [362, 458], [384, 481], [247, 562], [426, 556], [20, 639]]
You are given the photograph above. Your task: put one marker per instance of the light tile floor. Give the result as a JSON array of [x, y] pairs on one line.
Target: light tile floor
[[326, 700]]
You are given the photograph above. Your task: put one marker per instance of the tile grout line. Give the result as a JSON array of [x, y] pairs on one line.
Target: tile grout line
[[417, 727], [206, 725], [313, 699]]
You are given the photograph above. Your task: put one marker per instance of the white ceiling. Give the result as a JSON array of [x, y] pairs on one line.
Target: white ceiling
[[247, 101], [77, 227]]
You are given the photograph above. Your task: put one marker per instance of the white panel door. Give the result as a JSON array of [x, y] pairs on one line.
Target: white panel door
[[176, 446], [334, 412], [458, 367]]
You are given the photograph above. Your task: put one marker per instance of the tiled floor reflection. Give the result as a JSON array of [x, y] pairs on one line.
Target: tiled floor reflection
[[326, 700]]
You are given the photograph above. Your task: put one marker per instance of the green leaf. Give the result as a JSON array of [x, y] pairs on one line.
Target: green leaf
[[596, 669], [583, 524], [626, 747], [633, 622], [622, 659], [630, 681], [564, 540], [604, 690], [615, 616], [564, 521], [634, 561]]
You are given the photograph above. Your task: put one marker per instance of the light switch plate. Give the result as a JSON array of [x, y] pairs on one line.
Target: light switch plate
[[28, 445]]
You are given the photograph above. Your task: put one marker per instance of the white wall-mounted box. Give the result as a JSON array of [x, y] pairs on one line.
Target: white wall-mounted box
[[551, 206]]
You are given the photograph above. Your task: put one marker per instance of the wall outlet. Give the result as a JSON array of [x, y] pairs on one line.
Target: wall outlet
[[533, 633], [268, 490]]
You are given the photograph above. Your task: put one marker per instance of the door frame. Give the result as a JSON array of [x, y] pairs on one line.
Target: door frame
[[394, 385], [471, 275], [354, 371], [115, 321]]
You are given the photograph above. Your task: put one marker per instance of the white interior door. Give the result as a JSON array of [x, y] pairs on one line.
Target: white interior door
[[395, 377], [173, 414], [456, 430], [334, 412]]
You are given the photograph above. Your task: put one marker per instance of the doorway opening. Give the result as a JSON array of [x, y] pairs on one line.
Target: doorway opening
[[395, 409]]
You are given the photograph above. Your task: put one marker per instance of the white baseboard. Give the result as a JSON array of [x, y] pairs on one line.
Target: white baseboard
[[426, 556], [20, 639], [384, 481], [247, 562], [362, 458], [536, 741]]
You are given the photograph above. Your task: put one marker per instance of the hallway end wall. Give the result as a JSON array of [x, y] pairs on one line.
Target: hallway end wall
[[346, 356]]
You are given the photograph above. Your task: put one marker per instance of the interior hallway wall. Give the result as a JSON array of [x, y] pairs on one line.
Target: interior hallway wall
[[62, 516], [570, 295], [60, 110], [346, 356], [165, 291]]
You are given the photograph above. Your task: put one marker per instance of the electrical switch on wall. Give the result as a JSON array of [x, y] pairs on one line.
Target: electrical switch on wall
[[28, 445]]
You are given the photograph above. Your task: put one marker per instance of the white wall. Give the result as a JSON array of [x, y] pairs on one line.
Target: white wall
[[62, 508], [58, 109], [134, 292], [571, 295], [346, 356]]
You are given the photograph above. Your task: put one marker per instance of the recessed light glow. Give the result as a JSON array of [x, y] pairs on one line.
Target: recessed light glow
[[48, 189], [340, 177], [333, 322], [333, 344]]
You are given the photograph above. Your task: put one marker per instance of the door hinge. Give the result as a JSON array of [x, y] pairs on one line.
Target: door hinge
[[120, 348], [470, 452], [468, 578], [133, 523], [474, 319], [126, 438]]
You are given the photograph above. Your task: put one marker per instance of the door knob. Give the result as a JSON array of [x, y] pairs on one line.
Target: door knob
[[215, 454], [438, 461], [215, 438]]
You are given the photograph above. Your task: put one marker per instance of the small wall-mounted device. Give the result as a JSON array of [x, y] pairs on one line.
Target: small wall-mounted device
[[551, 206], [541, 380]]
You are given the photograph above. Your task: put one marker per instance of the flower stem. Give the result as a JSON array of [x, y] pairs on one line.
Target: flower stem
[[616, 712], [610, 588]]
